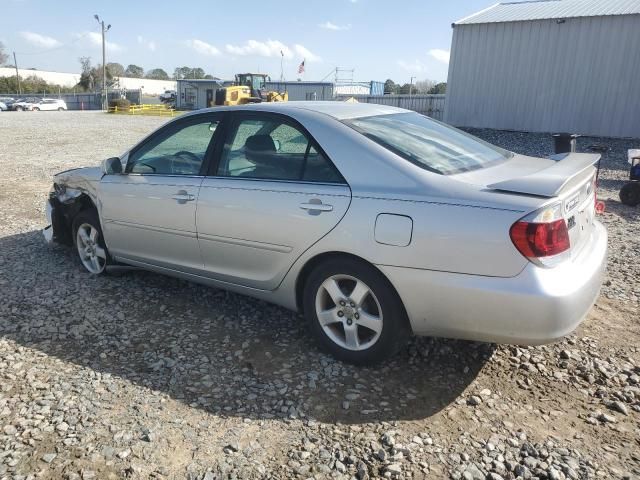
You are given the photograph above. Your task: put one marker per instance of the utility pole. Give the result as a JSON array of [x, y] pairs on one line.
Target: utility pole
[[15, 62], [104, 61], [410, 88], [281, 66]]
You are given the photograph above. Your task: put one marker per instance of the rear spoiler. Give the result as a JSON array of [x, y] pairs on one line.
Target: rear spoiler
[[570, 169]]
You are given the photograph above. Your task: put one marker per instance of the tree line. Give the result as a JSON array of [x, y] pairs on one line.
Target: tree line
[[91, 76], [421, 87]]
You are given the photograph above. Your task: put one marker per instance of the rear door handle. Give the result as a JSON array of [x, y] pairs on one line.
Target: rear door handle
[[183, 197], [318, 207]]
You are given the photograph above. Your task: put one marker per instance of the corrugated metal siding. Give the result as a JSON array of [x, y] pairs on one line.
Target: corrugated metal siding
[[377, 88], [581, 76], [431, 105], [547, 9], [303, 90]]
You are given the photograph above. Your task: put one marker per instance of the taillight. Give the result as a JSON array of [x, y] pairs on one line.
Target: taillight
[[542, 237]]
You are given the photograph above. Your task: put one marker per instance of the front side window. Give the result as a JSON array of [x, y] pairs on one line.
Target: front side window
[[430, 144], [179, 152], [274, 149]]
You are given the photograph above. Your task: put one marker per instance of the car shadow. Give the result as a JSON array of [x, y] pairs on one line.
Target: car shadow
[[221, 352]]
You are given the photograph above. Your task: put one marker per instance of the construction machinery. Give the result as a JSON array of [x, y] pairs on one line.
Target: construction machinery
[[249, 88]]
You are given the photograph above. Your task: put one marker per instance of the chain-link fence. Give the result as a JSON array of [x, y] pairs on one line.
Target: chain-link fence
[[82, 101]]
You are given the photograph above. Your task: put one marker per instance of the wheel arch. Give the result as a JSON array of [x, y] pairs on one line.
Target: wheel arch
[[316, 260], [68, 210]]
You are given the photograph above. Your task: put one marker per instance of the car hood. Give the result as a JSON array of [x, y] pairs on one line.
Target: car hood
[[83, 174]]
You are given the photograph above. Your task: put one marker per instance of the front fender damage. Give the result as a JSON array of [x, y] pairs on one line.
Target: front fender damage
[[64, 204]]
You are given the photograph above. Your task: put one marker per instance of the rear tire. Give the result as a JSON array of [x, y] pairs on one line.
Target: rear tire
[[630, 194], [89, 242], [19, 109], [354, 312]]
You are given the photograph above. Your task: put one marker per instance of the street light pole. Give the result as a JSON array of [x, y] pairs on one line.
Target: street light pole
[[410, 88], [15, 63], [104, 61]]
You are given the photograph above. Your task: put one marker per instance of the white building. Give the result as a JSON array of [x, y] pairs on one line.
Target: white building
[[55, 78], [148, 86], [548, 66]]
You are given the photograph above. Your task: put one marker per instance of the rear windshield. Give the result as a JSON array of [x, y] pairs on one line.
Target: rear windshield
[[428, 143]]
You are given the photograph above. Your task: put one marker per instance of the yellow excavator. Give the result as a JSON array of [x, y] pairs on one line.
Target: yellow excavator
[[249, 88]]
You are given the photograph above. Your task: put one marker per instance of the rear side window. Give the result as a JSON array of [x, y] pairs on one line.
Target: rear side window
[[430, 144], [272, 148]]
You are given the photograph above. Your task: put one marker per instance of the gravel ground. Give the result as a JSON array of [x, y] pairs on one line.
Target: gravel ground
[[137, 375]]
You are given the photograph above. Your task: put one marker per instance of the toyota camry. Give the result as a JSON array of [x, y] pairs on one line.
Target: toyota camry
[[372, 221]]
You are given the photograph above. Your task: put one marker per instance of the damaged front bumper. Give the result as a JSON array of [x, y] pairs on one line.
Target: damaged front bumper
[[58, 228], [48, 230]]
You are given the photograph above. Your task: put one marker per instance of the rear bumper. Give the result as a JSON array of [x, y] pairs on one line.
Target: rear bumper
[[537, 306]]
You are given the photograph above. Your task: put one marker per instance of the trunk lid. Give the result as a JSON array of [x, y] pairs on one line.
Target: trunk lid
[[569, 177], [567, 171]]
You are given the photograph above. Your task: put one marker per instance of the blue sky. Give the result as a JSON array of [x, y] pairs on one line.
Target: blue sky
[[377, 39]]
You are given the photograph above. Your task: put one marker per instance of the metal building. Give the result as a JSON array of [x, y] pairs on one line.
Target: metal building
[[195, 94], [548, 66]]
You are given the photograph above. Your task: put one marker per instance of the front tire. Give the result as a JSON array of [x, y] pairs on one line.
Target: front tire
[[89, 242], [60, 109], [354, 312], [36, 109]]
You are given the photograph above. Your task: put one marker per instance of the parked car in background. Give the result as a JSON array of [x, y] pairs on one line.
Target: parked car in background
[[168, 95], [9, 101], [3, 107], [373, 221], [50, 104], [24, 104], [6, 100]]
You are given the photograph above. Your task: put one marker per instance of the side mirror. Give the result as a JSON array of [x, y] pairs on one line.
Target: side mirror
[[277, 145], [112, 166]]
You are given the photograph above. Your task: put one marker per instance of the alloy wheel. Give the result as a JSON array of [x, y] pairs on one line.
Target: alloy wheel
[[349, 312], [92, 255]]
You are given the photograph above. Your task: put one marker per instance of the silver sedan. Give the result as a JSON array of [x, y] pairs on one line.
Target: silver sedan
[[374, 222]]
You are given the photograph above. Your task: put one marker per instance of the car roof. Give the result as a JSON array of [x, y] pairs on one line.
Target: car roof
[[337, 110]]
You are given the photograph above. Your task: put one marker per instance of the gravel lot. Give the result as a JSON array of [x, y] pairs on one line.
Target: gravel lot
[[136, 375]]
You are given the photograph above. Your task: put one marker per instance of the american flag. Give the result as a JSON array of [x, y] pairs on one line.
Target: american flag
[[301, 67]]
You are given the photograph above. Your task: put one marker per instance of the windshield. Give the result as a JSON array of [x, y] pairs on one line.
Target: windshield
[[428, 143]]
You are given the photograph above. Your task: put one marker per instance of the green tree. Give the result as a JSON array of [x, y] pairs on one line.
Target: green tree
[[115, 69], [423, 86], [404, 89], [157, 74], [438, 88], [3, 55], [182, 72], [91, 77], [87, 77], [390, 87], [188, 72], [134, 71], [31, 84], [197, 73]]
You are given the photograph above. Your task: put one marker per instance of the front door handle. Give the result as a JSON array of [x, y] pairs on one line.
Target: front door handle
[[183, 197], [315, 206]]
